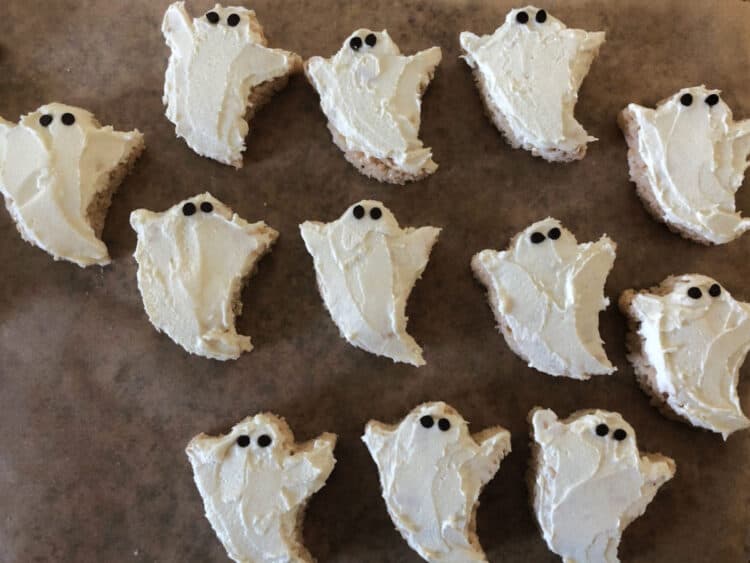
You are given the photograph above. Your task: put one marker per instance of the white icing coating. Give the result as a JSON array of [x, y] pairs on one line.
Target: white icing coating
[[372, 97], [695, 158], [191, 269], [366, 268], [587, 488], [547, 297], [532, 72], [696, 348], [254, 495], [50, 175], [432, 476], [212, 71]]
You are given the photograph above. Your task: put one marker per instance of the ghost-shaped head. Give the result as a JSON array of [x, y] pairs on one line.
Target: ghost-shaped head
[[197, 208], [367, 42], [701, 108], [232, 21], [365, 218], [62, 125], [544, 247], [533, 20], [694, 297]]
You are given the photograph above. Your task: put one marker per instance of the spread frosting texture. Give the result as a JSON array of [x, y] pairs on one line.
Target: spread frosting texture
[[192, 260], [366, 266], [546, 292], [53, 165], [255, 482], [432, 471], [590, 482], [216, 61]]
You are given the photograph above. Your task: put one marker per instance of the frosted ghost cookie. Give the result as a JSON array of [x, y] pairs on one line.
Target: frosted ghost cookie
[[220, 73], [255, 483], [546, 292], [528, 73], [432, 472], [688, 339], [366, 266], [193, 261], [59, 169], [372, 97], [687, 159], [588, 482]]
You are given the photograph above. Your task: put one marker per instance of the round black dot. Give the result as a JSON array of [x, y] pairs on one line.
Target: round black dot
[[264, 440], [712, 99], [695, 293], [444, 424], [714, 290], [243, 441], [68, 119], [233, 20], [686, 99], [45, 120], [554, 233], [206, 207], [188, 209], [371, 39], [522, 17], [355, 43], [541, 16], [537, 237], [376, 213], [427, 421], [212, 17], [602, 429], [359, 211], [619, 434]]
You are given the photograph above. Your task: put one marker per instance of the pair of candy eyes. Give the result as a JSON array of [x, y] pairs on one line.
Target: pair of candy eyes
[[189, 208], [537, 237], [428, 422], [67, 119], [687, 99], [603, 430], [696, 293], [356, 42], [359, 212], [232, 19], [264, 440], [523, 17]]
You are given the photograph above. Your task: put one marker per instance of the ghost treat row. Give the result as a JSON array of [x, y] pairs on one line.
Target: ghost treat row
[[587, 482]]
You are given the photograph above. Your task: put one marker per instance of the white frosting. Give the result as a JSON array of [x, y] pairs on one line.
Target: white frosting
[[49, 175], [431, 479], [253, 494], [532, 72], [588, 488], [372, 97], [696, 348], [212, 71], [366, 269], [547, 297], [695, 158], [191, 269]]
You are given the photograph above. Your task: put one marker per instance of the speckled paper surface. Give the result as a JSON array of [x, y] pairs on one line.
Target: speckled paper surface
[[96, 407]]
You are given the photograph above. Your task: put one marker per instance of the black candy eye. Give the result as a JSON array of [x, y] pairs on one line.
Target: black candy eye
[[206, 207], [212, 17], [712, 99], [359, 211], [537, 237], [45, 120], [427, 421], [522, 17], [233, 20], [188, 209], [375, 213], [619, 434], [444, 424], [686, 99], [355, 43], [602, 429], [694, 293], [554, 233], [243, 441], [714, 290], [541, 16], [68, 119], [371, 39], [264, 440]]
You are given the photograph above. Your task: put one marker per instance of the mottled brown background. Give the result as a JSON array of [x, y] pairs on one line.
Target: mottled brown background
[[96, 407]]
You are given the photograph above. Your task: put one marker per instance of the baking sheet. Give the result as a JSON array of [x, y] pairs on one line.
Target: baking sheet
[[96, 407]]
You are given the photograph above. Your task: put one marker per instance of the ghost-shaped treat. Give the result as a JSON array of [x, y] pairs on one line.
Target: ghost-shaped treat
[[432, 472], [59, 169], [193, 260], [220, 72], [588, 482], [546, 292], [366, 266], [371, 95], [687, 159], [688, 339], [255, 483], [528, 73]]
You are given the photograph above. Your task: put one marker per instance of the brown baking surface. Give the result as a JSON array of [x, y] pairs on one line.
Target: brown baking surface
[[96, 407]]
